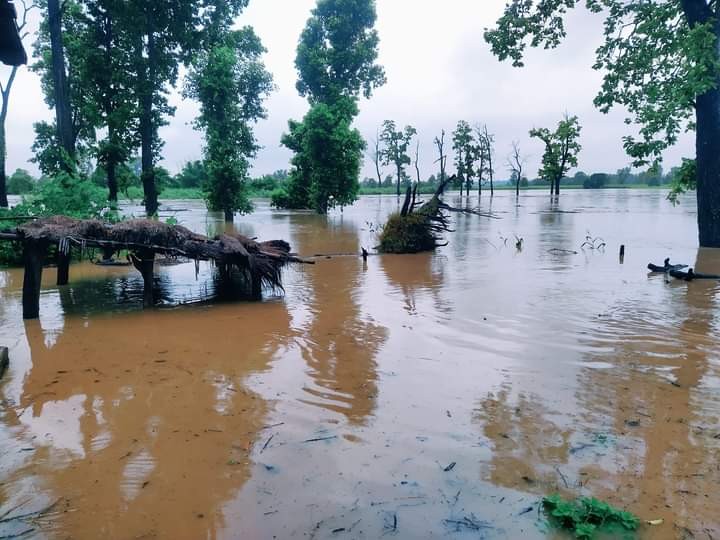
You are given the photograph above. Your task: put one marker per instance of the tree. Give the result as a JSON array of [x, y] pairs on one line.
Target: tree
[[396, 144], [561, 150], [230, 81], [622, 176], [416, 162], [192, 175], [660, 59], [486, 143], [466, 152], [20, 182], [596, 181], [5, 90], [61, 88], [326, 165], [377, 157], [336, 65], [440, 144], [516, 162], [105, 64]]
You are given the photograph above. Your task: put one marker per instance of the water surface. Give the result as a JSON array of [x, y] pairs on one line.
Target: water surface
[[407, 396]]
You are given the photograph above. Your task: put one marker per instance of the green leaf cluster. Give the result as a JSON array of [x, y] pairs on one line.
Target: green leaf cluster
[[561, 149], [586, 517]]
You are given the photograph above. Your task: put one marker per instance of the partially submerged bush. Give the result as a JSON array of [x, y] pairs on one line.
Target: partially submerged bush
[[407, 234], [586, 517]]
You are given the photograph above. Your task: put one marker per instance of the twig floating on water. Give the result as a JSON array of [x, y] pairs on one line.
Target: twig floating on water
[[320, 439], [267, 443], [450, 467]]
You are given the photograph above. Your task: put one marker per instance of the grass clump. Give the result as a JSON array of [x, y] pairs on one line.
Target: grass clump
[[586, 517]]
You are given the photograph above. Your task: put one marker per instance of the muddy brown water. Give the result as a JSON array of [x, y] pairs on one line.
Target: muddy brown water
[[337, 409]]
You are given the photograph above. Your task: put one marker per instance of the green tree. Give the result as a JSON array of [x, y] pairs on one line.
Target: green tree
[[336, 65], [595, 181], [20, 182], [661, 61], [326, 166], [395, 147], [6, 87], [466, 153], [230, 81], [192, 175], [561, 150]]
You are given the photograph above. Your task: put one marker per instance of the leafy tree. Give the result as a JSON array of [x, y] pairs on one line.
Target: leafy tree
[[336, 65], [326, 165], [486, 151], [596, 181], [661, 61], [20, 182], [395, 147], [192, 175], [230, 81], [6, 87], [622, 176], [561, 150], [466, 152]]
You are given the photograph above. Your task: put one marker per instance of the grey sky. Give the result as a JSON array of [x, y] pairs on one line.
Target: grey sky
[[439, 71]]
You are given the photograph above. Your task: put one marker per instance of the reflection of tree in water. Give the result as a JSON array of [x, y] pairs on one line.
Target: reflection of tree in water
[[340, 342], [643, 432], [414, 276], [526, 444], [143, 421]]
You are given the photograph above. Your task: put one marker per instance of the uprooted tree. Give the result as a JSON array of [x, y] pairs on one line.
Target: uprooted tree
[[419, 226]]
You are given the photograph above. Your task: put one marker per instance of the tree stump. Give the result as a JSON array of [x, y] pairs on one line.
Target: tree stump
[[63, 268], [4, 360], [144, 262], [34, 255]]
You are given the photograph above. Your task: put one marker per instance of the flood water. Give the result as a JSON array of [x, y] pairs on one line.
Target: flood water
[[420, 396]]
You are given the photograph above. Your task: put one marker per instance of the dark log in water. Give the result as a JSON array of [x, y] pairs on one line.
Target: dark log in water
[[4, 360], [667, 267], [691, 275], [34, 254]]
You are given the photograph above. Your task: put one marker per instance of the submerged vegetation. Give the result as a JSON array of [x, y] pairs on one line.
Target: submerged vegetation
[[587, 517]]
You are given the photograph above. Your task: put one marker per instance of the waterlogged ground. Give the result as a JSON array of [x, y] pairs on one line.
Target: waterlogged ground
[[436, 395]]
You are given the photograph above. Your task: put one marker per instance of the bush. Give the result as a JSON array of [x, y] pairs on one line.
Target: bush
[[20, 183], [407, 234], [67, 195], [596, 181]]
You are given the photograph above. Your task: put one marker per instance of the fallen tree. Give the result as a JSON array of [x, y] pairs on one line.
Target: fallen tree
[[419, 226]]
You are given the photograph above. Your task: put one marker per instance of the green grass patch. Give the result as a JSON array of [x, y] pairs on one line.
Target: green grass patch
[[586, 517]]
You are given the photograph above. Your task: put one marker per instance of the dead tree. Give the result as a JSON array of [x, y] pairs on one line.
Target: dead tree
[[516, 162]]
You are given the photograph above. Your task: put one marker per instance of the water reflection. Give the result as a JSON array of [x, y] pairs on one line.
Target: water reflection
[[136, 414]]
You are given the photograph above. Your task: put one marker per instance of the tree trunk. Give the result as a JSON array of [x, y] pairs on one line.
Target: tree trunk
[[61, 88], [3, 153], [517, 188], [147, 125], [707, 143], [399, 176], [557, 187], [112, 182], [34, 254], [229, 216]]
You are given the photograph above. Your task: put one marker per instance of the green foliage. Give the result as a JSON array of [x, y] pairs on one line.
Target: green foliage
[[20, 183], [192, 175], [561, 148], [337, 52], [395, 146], [230, 82], [466, 152], [406, 234], [67, 195], [684, 179], [326, 166], [657, 57], [586, 517], [595, 181]]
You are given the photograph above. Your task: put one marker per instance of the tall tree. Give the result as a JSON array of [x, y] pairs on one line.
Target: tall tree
[[486, 142], [336, 65], [516, 162], [416, 162], [61, 88], [163, 34], [230, 81], [396, 143], [661, 61], [106, 79], [5, 90], [377, 157], [561, 150], [440, 144], [465, 154]]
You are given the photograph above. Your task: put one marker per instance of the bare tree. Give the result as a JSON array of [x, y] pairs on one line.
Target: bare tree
[[377, 158], [417, 161], [516, 162], [5, 89], [440, 143]]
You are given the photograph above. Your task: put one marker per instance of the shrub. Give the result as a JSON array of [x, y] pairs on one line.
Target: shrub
[[407, 234]]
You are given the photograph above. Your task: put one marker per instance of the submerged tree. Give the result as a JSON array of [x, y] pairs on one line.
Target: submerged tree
[[230, 81], [336, 65], [6, 87], [516, 163], [486, 150], [466, 152], [661, 60], [440, 144], [561, 150], [395, 152]]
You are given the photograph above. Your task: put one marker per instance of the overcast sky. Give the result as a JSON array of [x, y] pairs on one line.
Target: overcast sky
[[439, 70]]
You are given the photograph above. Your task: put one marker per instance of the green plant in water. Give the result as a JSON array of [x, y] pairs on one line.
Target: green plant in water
[[586, 517]]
